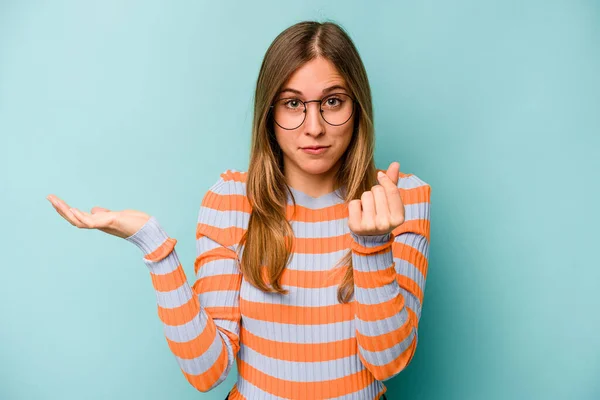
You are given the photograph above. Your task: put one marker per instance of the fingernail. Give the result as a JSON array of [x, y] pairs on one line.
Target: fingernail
[[380, 174]]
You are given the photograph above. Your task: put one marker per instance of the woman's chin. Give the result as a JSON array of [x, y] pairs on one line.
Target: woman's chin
[[316, 167]]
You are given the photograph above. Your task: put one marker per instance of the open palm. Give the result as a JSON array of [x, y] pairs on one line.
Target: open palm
[[118, 223]]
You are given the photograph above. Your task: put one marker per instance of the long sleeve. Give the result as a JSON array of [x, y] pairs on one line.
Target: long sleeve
[[201, 322], [389, 282]]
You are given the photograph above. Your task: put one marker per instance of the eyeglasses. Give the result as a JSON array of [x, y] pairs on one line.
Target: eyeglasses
[[336, 109]]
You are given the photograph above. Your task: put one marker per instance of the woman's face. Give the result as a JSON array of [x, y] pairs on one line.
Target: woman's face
[[313, 81]]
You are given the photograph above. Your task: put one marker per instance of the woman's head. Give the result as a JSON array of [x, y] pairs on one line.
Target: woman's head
[[326, 119], [309, 57], [302, 63]]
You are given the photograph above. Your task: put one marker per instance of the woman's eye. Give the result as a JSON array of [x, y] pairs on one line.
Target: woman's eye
[[333, 101], [293, 103]]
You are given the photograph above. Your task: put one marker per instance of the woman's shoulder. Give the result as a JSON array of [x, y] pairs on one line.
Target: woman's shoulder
[[224, 208], [410, 181], [234, 175], [228, 192], [230, 181]]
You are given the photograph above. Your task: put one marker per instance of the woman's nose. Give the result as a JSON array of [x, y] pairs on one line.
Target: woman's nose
[[314, 124]]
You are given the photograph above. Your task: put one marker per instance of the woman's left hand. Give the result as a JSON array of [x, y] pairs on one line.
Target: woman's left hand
[[379, 210]]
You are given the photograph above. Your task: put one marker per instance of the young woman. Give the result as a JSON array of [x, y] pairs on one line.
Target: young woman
[[311, 265]]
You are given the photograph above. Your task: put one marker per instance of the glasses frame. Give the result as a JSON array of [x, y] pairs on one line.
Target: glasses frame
[[304, 103]]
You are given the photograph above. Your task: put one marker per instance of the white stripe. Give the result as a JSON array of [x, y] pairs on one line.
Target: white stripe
[[383, 326], [297, 371], [386, 356], [292, 333], [376, 295], [174, 298], [202, 363], [188, 331]]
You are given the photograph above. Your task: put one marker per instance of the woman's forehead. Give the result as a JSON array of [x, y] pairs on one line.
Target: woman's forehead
[[315, 78]]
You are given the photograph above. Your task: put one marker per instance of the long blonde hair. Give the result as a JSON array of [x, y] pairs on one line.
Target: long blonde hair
[[266, 186]]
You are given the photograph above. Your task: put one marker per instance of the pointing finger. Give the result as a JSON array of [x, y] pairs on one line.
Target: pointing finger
[[393, 172]]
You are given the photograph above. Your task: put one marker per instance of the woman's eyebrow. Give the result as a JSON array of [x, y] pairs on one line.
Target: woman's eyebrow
[[326, 90]]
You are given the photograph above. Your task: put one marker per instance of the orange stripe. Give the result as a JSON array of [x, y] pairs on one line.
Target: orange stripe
[[419, 226], [205, 380], [232, 235], [379, 278], [301, 352], [180, 315], [410, 254], [387, 340], [385, 371], [312, 279], [303, 214], [236, 176], [215, 283], [161, 251], [298, 315], [218, 253], [240, 203], [376, 312], [226, 202], [234, 394], [413, 317], [364, 250], [230, 313], [195, 347], [413, 287], [375, 279], [416, 195], [344, 242], [167, 282], [305, 390], [233, 338], [224, 236]]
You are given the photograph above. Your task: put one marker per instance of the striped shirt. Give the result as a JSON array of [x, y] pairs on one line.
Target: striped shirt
[[304, 344]]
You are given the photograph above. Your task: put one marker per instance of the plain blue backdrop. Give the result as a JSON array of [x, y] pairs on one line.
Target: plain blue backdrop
[[142, 104]]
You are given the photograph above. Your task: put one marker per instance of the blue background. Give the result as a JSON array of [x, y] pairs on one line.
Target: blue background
[[141, 104]]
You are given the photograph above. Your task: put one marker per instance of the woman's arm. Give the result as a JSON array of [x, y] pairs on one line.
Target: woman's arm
[[201, 322], [389, 281]]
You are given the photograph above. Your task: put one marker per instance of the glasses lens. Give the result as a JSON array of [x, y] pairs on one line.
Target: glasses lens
[[337, 108], [288, 113]]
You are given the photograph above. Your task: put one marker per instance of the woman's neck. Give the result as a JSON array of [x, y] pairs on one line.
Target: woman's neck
[[314, 185]]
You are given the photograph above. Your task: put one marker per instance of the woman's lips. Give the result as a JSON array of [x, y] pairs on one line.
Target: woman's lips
[[313, 150]]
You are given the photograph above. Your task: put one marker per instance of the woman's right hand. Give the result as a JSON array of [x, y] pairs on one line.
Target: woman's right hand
[[118, 223]]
